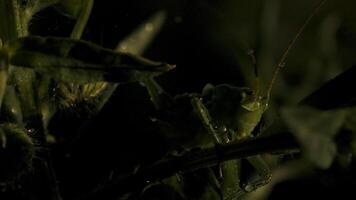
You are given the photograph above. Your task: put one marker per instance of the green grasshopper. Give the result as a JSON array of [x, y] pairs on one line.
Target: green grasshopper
[[228, 114]]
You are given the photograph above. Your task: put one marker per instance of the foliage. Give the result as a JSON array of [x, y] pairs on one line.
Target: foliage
[[215, 143]]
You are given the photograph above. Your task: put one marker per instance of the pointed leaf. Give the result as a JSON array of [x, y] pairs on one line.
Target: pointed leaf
[[315, 131], [79, 61], [136, 43], [335, 93]]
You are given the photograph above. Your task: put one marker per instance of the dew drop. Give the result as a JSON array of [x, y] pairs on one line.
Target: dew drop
[[224, 129], [30, 130], [248, 188], [154, 119]]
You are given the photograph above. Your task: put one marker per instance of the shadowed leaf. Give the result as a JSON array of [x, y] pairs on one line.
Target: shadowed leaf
[[136, 43], [11, 108], [335, 93], [139, 40], [315, 131], [79, 61]]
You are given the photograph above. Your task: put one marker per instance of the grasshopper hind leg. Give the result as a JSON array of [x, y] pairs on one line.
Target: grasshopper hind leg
[[256, 180]]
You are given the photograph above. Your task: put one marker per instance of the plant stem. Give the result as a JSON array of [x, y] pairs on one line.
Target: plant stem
[[82, 19], [9, 20], [4, 65], [195, 160], [13, 24]]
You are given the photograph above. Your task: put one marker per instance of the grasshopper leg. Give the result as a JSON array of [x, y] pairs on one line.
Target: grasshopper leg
[[264, 174], [228, 171], [204, 116]]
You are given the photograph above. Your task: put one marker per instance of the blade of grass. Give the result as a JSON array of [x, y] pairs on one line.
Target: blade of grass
[[136, 43], [191, 161]]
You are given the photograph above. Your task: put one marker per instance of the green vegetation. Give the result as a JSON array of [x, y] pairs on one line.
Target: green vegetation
[[221, 142]]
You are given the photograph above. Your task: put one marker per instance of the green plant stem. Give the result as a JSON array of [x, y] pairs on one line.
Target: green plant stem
[[4, 65], [82, 19], [195, 160], [13, 24], [9, 20]]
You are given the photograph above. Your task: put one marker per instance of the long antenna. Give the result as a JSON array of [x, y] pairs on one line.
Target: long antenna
[[256, 83], [251, 53], [281, 62]]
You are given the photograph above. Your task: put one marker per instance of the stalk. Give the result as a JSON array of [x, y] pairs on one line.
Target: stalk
[[191, 161], [13, 25], [82, 19]]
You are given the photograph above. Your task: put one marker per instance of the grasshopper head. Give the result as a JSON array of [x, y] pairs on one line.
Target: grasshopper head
[[252, 102], [239, 109]]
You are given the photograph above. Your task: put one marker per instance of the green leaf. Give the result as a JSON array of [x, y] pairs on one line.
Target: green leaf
[[350, 125], [23, 81], [11, 108], [335, 93], [136, 43], [45, 100], [315, 131], [140, 38], [350, 121], [79, 61]]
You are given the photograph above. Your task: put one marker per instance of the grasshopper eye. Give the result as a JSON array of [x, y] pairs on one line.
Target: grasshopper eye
[[249, 102], [251, 106], [247, 94]]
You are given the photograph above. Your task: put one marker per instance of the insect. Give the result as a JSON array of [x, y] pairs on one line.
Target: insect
[[228, 114]]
